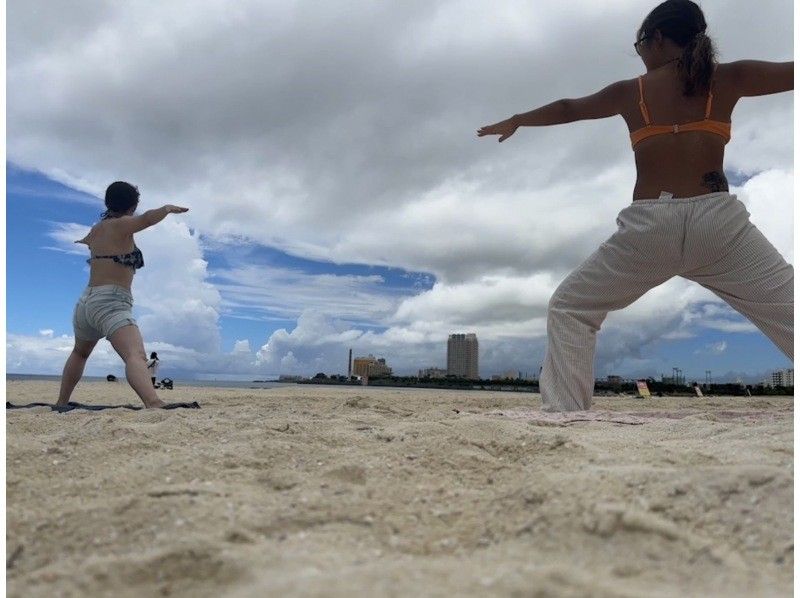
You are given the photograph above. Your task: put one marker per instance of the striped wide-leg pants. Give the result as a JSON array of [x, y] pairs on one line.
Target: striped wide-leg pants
[[708, 239]]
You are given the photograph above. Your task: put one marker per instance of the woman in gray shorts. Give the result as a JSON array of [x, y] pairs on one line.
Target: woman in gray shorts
[[104, 308], [682, 221]]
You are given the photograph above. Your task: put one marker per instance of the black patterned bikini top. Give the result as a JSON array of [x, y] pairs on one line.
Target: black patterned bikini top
[[134, 259]]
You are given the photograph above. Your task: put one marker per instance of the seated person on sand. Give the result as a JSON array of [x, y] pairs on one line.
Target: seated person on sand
[[104, 308]]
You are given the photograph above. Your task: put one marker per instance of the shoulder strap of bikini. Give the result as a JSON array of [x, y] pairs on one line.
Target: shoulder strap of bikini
[[642, 105]]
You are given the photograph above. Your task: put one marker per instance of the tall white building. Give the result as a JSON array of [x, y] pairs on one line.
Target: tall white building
[[783, 377], [462, 356]]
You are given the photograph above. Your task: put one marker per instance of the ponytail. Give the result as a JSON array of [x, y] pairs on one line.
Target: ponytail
[[683, 22], [696, 65]]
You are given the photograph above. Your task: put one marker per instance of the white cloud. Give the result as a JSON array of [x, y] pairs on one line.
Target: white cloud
[[769, 199], [47, 355], [241, 346], [713, 348], [65, 234], [177, 303], [288, 154]]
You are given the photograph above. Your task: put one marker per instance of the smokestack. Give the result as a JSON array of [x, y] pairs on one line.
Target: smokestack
[[350, 363]]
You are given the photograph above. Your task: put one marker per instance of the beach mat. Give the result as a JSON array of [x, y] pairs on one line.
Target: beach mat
[[71, 406]]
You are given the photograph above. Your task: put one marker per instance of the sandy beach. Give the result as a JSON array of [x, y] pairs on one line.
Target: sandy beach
[[321, 491]]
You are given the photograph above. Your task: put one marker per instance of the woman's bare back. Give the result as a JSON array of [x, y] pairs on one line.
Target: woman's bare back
[[688, 163], [107, 239]]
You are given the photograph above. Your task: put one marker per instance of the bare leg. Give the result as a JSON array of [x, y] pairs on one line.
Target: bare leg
[[73, 369], [127, 341]]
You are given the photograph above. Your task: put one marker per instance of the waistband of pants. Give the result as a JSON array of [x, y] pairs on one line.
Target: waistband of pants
[[706, 196], [104, 289]]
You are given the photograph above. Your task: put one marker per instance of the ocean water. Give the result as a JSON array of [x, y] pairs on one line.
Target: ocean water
[[254, 385]]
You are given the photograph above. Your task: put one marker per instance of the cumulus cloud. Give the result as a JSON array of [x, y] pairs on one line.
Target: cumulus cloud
[[65, 234], [46, 354], [311, 343], [241, 346], [768, 197], [713, 348], [316, 152]]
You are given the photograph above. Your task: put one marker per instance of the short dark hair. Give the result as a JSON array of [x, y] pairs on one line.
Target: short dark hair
[[153, 355], [683, 22], [120, 197]]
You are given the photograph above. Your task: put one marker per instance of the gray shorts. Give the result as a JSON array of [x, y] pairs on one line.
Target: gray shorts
[[101, 311]]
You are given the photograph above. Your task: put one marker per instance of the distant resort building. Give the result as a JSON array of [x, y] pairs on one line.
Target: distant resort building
[[783, 377], [508, 375], [370, 367], [432, 373], [462, 356]]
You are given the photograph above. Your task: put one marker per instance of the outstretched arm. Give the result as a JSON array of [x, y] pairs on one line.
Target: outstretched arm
[[758, 78], [134, 224], [606, 102]]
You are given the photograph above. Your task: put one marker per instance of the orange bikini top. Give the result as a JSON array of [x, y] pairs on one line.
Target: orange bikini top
[[712, 126]]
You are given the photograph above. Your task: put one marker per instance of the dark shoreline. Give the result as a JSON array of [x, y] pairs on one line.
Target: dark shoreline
[[657, 389]]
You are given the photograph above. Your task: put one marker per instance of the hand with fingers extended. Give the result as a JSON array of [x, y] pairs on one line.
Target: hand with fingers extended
[[175, 209], [505, 128]]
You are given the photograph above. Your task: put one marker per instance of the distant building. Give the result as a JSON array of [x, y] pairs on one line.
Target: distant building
[[614, 379], [369, 367], [513, 374], [432, 373], [462, 356], [507, 375], [783, 377]]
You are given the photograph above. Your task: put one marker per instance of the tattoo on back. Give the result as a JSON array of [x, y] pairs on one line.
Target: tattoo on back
[[715, 181]]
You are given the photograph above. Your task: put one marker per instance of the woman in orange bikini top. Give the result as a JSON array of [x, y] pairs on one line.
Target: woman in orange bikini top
[[722, 129], [681, 67]]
